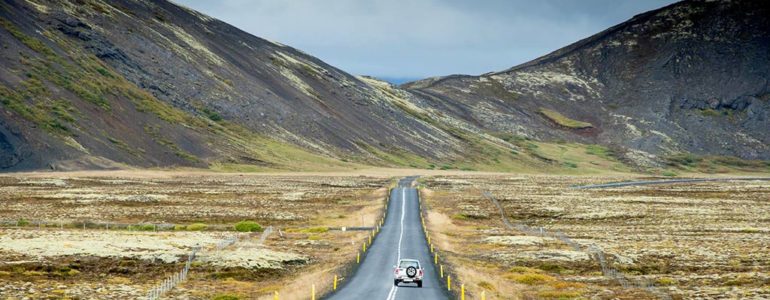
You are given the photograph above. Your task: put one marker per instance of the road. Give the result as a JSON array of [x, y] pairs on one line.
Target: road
[[401, 236]]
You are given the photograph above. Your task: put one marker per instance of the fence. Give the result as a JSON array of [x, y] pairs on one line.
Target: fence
[[172, 281], [593, 251]]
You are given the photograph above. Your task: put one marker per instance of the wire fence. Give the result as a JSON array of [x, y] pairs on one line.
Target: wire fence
[[175, 279], [593, 251]]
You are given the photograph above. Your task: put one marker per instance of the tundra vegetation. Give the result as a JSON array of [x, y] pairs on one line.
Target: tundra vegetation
[[692, 240], [73, 236]]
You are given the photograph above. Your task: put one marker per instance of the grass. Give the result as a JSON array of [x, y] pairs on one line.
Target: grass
[[320, 229], [600, 151], [714, 164], [564, 121], [197, 227], [141, 227], [486, 285], [559, 294], [225, 297], [708, 112], [247, 226], [665, 281], [530, 278]]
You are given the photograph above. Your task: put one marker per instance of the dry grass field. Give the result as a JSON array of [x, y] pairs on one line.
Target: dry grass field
[[707, 240], [140, 229]]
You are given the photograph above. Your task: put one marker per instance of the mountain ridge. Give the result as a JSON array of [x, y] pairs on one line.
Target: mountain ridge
[[116, 84]]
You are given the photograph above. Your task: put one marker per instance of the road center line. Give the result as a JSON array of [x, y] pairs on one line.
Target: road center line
[[394, 289]]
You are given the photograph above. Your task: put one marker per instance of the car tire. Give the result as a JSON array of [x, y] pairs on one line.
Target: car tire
[[395, 282], [419, 284]]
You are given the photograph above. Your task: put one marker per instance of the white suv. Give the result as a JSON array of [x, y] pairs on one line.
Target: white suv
[[408, 270]]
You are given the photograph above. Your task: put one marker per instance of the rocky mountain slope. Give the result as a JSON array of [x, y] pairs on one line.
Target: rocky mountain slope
[[90, 83], [111, 84], [688, 78]]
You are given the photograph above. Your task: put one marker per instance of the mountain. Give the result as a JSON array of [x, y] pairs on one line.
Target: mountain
[[691, 77], [115, 84], [90, 83]]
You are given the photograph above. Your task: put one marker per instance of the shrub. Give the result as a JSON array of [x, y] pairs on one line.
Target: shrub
[[23, 222], [197, 227], [141, 227], [665, 281], [248, 226]]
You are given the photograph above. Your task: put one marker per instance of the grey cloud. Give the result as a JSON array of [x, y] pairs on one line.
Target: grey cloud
[[422, 38]]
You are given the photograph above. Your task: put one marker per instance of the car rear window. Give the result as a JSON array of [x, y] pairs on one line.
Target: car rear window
[[405, 264]]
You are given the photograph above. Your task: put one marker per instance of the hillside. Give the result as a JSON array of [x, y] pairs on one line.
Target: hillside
[[690, 78], [94, 84]]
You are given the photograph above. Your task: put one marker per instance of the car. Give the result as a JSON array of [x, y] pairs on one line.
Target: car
[[408, 271]]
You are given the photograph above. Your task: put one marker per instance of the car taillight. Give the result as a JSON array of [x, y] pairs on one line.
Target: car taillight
[[397, 270], [421, 272]]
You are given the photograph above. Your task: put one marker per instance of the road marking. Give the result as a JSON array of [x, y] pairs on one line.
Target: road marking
[[394, 288]]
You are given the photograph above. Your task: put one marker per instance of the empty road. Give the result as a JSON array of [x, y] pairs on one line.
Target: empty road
[[401, 236]]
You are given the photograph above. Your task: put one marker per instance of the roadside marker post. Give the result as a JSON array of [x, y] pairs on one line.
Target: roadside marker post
[[312, 292], [275, 296], [483, 295], [462, 291], [358, 257], [441, 271], [435, 258], [449, 283], [335, 282], [364, 247]]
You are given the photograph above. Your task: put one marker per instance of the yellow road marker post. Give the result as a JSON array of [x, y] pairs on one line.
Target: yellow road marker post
[[312, 292], [335, 282], [462, 291], [449, 283], [441, 271]]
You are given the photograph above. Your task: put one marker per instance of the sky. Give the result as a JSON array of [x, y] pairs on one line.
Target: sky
[[401, 40]]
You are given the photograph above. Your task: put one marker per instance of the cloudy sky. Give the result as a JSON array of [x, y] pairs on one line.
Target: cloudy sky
[[410, 39]]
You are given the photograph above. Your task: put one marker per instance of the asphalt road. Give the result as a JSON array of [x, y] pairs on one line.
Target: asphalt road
[[401, 236]]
